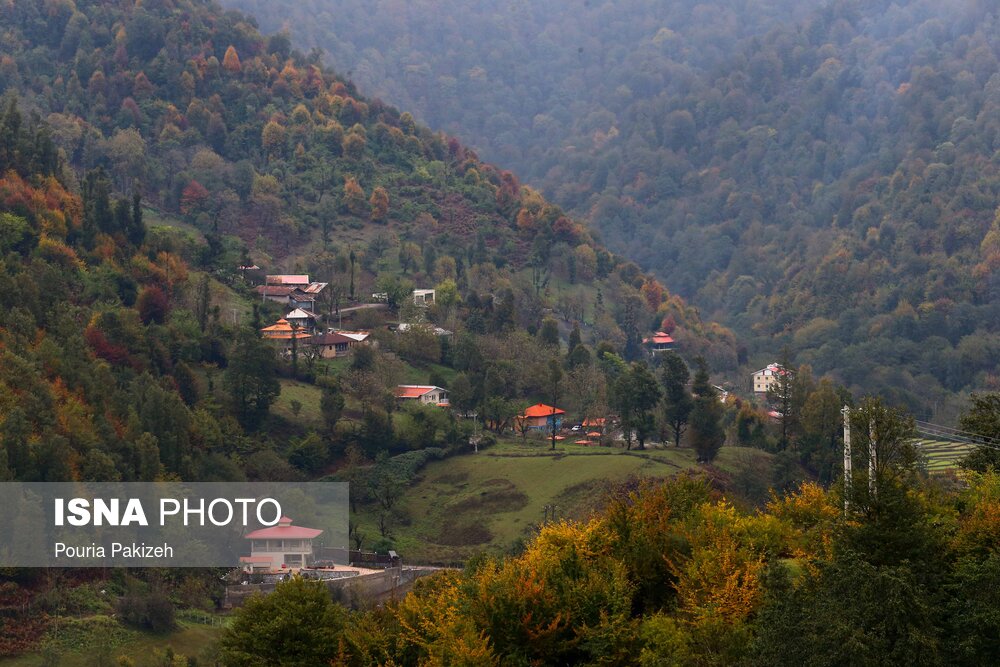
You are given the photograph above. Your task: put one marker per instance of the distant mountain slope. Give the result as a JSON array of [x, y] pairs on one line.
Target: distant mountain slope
[[515, 79], [819, 175]]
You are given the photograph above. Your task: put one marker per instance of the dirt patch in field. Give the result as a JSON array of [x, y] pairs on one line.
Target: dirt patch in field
[[463, 532], [500, 495], [582, 500]]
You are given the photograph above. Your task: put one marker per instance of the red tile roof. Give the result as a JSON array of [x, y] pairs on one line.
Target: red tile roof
[[413, 390], [288, 279], [659, 338], [284, 531], [274, 290], [542, 410]]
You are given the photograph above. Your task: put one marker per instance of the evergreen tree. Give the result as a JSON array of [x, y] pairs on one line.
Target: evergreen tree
[[983, 419], [137, 228], [705, 423], [250, 378], [779, 397], [635, 394], [549, 333], [677, 402], [554, 386], [14, 436]]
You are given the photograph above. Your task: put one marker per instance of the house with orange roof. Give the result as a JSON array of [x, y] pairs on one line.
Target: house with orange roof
[[541, 416], [660, 342], [422, 393], [283, 332], [280, 547]]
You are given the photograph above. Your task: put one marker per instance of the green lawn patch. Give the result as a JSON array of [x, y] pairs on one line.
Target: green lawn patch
[[307, 395], [463, 505]]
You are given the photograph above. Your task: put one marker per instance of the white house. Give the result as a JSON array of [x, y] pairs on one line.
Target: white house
[[422, 297], [426, 394], [767, 378], [304, 319], [279, 547], [438, 331]]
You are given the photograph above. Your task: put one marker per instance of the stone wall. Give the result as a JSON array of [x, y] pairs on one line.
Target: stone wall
[[360, 592]]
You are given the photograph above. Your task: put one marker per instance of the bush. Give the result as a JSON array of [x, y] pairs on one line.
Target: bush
[[147, 609]]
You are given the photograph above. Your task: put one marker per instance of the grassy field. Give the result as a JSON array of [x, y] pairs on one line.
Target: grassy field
[[942, 455], [472, 503], [307, 395], [77, 642]]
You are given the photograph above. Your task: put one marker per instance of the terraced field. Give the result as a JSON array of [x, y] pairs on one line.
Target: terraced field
[[943, 455]]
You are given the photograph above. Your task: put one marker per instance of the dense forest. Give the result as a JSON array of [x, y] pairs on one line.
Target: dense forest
[[258, 155], [819, 175]]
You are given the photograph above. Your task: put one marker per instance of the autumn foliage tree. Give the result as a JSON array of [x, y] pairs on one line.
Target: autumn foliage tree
[[379, 202], [231, 61], [194, 198], [354, 197], [153, 305]]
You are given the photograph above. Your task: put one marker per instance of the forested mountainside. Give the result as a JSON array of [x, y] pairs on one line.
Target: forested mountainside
[[149, 150], [818, 175], [514, 79]]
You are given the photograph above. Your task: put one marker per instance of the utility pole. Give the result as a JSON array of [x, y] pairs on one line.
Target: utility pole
[[872, 461], [847, 457]]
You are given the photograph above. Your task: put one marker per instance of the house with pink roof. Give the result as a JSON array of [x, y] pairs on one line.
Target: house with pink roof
[[280, 547]]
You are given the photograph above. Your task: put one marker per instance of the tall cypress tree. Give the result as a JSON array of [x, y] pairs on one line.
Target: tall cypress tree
[[705, 427], [677, 402]]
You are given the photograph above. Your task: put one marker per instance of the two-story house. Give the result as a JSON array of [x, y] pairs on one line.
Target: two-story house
[[279, 547]]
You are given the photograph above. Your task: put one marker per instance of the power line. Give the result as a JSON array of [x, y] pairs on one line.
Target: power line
[[957, 435]]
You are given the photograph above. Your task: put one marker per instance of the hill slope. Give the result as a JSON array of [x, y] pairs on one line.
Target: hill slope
[[238, 135], [821, 177]]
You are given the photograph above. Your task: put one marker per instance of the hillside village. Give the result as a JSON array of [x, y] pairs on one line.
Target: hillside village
[[303, 333]]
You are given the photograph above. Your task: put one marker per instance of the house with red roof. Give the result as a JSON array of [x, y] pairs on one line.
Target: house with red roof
[[541, 416], [280, 547], [659, 342], [422, 393]]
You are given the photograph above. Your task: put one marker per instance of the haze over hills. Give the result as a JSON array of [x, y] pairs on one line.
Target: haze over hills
[[818, 175]]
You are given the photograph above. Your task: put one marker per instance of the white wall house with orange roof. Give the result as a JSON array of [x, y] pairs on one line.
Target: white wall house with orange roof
[[280, 547], [426, 394]]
